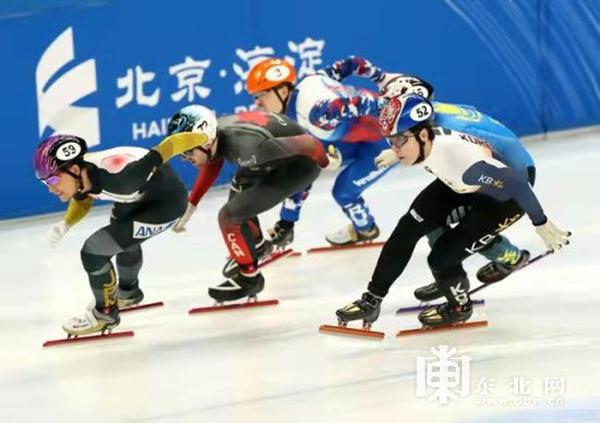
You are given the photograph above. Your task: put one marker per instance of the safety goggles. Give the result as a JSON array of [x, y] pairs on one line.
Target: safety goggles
[[188, 155], [261, 94], [51, 180], [398, 140]]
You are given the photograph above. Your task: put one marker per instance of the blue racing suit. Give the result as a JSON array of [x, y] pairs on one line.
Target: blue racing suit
[[346, 117]]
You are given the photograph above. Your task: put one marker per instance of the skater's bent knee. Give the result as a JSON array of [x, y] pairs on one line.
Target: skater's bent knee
[[93, 263], [442, 261], [409, 228], [228, 216], [344, 196]]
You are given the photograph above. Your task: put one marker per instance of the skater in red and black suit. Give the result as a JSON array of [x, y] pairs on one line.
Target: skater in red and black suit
[[274, 158]]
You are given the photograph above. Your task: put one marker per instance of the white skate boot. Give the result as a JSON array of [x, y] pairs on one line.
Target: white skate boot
[[92, 321], [348, 235]]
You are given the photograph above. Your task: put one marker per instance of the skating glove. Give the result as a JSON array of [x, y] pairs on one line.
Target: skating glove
[[391, 86], [180, 225], [386, 158], [57, 231], [552, 236], [335, 158]]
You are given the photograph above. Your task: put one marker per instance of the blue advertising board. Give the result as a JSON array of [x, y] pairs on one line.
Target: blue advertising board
[[114, 72]]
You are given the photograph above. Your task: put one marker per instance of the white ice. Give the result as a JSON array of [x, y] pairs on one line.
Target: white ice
[[271, 364]]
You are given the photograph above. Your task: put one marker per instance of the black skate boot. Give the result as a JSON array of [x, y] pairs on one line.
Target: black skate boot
[[237, 287], [458, 308], [128, 298], [428, 292], [494, 271], [367, 309], [445, 314], [263, 250], [282, 234]]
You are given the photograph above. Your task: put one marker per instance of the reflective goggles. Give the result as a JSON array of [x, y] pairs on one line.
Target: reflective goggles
[[260, 94], [51, 180], [189, 153], [398, 140]]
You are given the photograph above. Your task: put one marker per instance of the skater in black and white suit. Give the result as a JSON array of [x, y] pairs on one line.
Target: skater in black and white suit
[[149, 198], [470, 174]]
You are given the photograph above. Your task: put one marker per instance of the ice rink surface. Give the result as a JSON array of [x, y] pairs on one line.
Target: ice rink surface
[[271, 364]]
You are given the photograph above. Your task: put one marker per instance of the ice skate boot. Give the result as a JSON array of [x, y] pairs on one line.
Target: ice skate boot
[[282, 234], [458, 308], [349, 235], [428, 292], [496, 271], [126, 298], [93, 321], [445, 314], [366, 309], [238, 286], [263, 251]]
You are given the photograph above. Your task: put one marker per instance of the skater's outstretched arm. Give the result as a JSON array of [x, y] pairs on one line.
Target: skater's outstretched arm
[[502, 184], [206, 177], [353, 65], [329, 114], [177, 143], [77, 210], [361, 67]]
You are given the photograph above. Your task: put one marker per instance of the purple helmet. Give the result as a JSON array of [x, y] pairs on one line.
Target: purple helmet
[[56, 152]]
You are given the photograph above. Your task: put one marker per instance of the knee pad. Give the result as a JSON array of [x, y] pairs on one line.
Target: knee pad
[[94, 264], [97, 252], [224, 217], [130, 257], [129, 263], [228, 217]]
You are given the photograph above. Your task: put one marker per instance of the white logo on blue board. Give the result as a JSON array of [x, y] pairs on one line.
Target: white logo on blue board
[[56, 109]]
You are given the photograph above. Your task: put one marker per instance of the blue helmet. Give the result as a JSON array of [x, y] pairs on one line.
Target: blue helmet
[[404, 112]]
